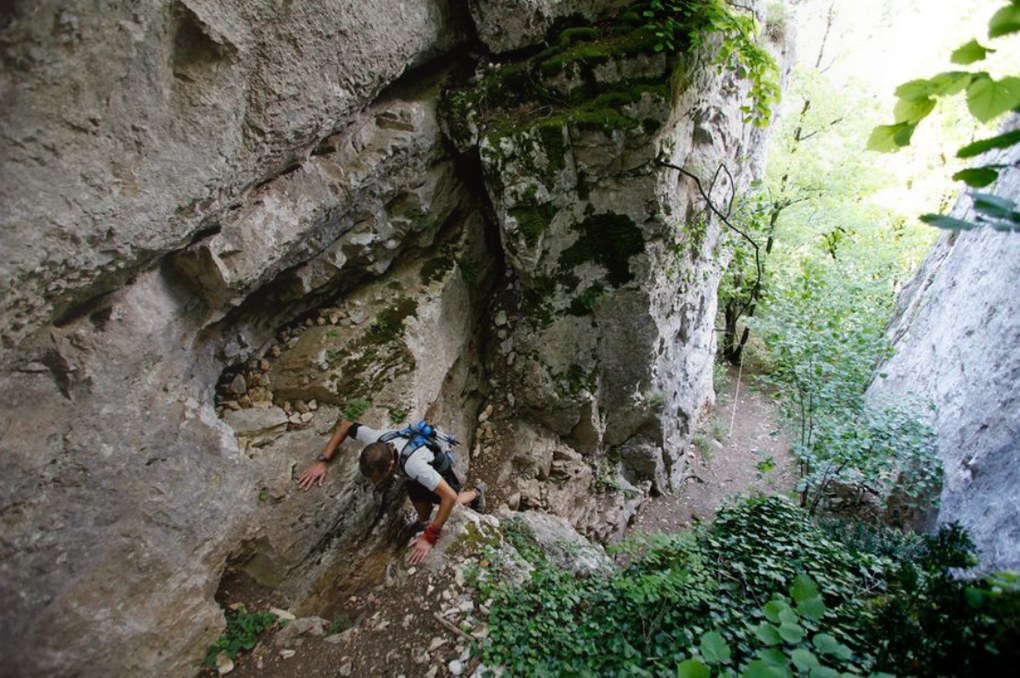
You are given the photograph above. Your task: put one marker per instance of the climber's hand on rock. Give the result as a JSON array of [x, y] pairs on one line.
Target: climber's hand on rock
[[315, 472], [419, 549]]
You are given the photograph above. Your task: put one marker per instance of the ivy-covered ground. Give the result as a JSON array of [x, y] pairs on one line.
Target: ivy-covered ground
[[765, 591]]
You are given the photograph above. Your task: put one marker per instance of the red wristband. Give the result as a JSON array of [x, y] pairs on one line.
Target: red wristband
[[432, 533]]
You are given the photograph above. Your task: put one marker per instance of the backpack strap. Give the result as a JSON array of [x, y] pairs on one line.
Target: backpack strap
[[442, 460]]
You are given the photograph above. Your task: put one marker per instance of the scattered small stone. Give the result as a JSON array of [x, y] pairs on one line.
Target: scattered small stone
[[320, 321], [300, 406], [412, 571], [432, 672], [510, 399], [456, 668], [359, 316], [502, 334], [253, 364], [275, 351], [306, 417], [309, 322], [347, 669], [223, 664], [436, 643], [313, 405], [282, 614], [239, 385], [287, 654], [501, 319], [383, 624]]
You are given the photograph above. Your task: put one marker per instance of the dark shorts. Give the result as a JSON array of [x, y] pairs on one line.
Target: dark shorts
[[419, 494]]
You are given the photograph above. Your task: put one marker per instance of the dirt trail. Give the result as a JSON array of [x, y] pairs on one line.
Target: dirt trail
[[724, 464]]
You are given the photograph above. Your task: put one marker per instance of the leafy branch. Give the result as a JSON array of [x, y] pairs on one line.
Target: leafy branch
[[987, 99]]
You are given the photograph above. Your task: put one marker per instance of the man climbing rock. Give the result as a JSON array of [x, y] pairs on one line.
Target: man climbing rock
[[416, 454]]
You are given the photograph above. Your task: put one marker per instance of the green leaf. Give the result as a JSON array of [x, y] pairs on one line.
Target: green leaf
[[889, 138], [788, 616], [976, 177], [987, 98], [943, 221], [914, 90], [773, 656], [829, 645], [714, 648], [812, 608], [804, 660], [692, 668], [762, 669], [1005, 21], [773, 609], [823, 672], [803, 588], [768, 634], [949, 83], [994, 206], [791, 633], [970, 53], [978, 147]]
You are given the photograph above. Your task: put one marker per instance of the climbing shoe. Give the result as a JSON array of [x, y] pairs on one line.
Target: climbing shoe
[[478, 503]]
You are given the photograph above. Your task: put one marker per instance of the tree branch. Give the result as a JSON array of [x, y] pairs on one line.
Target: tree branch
[[725, 219]]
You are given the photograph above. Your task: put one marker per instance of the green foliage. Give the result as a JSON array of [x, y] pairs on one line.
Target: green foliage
[[339, 625], [242, 633], [398, 415], [942, 625], [762, 592], [987, 99], [688, 602], [679, 24], [355, 408], [825, 333]]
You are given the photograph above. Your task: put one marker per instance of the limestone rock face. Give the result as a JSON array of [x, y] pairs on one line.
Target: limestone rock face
[[956, 333], [610, 246], [506, 25], [128, 129], [226, 223]]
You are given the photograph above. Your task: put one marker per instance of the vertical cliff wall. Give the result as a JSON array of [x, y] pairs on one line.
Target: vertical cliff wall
[[957, 333], [226, 223]]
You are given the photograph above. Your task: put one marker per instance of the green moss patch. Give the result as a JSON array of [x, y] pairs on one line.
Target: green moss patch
[[435, 269], [608, 240], [532, 217]]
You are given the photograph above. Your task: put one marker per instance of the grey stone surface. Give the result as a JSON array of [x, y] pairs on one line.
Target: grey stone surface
[[608, 336], [180, 181], [130, 128], [506, 25], [957, 335]]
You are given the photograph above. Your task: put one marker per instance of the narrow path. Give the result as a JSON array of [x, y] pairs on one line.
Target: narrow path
[[722, 464]]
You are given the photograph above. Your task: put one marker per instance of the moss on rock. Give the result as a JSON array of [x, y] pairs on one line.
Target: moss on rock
[[608, 240]]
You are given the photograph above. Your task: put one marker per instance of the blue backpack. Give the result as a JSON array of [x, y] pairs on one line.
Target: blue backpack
[[423, 434]]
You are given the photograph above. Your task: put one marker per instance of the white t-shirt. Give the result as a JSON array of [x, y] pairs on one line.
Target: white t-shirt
[[419, 465]]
